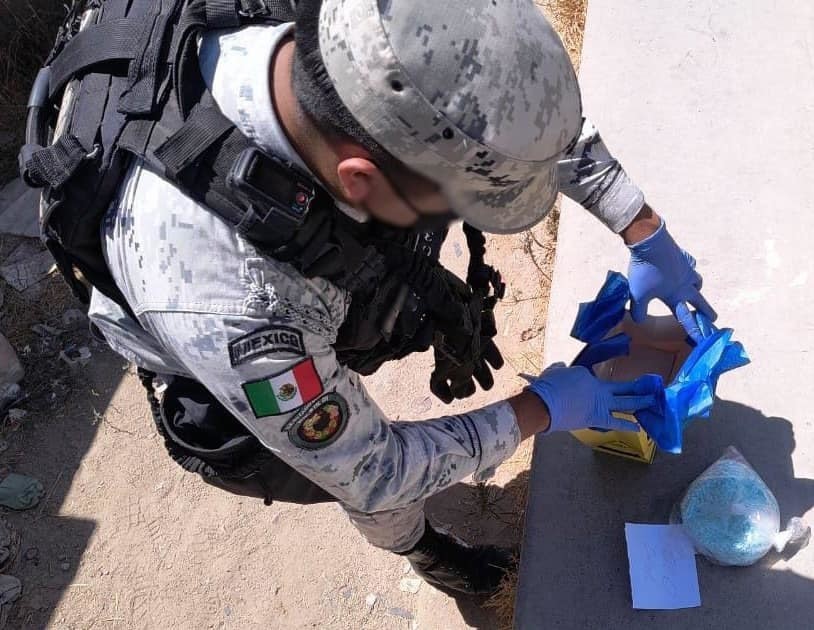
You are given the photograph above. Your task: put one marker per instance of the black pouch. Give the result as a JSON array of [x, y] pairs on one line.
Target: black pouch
[[203, 437]]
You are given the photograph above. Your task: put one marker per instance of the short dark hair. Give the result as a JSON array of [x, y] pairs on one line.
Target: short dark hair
[[316, 94]]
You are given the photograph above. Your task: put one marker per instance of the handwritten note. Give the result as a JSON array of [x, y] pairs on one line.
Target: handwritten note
[[663, 575]]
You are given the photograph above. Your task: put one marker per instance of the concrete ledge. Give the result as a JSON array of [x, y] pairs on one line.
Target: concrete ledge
[[708, 105]]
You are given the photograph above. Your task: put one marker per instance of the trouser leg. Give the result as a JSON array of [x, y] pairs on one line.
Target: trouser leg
[[439, 558], [394, 530]]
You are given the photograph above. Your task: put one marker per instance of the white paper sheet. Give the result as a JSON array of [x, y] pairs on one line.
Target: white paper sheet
[[663, 575]]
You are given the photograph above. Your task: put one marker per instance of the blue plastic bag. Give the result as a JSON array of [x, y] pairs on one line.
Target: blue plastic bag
[[692, 391], [732, 517]]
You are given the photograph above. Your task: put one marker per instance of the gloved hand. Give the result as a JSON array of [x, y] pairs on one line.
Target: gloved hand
[[453, 378], [463, 356], [576, 399], [659, 268]]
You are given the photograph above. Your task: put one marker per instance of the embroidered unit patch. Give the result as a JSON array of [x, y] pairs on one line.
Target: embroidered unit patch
[[273, 340], [320, 424]]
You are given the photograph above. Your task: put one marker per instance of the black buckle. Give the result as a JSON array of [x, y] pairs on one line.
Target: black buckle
[[252, 8]]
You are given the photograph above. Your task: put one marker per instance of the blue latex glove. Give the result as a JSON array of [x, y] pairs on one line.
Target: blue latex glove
[[576, 399], [659, 268]]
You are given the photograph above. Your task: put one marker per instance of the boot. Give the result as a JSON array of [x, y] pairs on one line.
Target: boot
[[449, 564]]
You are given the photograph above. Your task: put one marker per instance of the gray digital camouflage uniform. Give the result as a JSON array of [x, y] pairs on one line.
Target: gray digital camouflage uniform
[[259, 336]]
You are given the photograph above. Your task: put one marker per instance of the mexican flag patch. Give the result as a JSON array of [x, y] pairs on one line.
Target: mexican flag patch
[[284, 392]]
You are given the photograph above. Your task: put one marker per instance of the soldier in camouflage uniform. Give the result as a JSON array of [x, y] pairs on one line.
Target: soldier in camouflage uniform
[[405, 112]]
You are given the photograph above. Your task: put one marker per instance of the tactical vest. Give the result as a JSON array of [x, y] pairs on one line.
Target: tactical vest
[[123, 83]]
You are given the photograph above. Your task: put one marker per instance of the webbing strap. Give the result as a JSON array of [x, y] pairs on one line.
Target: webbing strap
[[116, 40], [54, 165], [209, 14], [212, 178], [479, 275], [202, 129], [90, 104], [183, 56], [139, 98], [136, 137], [476, 243], [278, 10], [221, 14]]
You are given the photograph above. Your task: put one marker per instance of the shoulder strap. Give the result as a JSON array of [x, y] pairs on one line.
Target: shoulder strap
[[145, 39], [116, 56]]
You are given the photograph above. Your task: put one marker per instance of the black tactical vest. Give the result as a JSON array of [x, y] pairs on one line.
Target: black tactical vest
[[123, 83]]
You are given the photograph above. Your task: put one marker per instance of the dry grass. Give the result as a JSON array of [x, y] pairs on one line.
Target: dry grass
[[568, 18], [502, 602], [27, 31]]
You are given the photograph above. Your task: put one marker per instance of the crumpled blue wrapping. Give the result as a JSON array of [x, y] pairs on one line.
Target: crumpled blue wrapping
[[692, 391]]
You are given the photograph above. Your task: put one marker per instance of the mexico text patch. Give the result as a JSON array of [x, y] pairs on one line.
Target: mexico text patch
[[280, 340], [320, 424], [284, 392]]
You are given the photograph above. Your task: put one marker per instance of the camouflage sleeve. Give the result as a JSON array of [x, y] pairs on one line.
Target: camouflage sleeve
[[280, 377], [592, 177]]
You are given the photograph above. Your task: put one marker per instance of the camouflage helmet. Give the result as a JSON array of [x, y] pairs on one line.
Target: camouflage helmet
[[478, 96]]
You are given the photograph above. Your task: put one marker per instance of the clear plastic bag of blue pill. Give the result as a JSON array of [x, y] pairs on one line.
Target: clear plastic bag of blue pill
[[732, 517]]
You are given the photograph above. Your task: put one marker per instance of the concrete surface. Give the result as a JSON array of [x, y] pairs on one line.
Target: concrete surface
[[709, 105]]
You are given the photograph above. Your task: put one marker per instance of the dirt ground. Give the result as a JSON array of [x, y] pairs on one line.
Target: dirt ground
[[126, 539]]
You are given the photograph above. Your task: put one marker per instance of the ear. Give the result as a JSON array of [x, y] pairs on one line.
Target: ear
[[358, 177]]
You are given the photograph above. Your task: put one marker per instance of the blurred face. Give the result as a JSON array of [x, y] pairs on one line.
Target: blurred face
[[403, 199]]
